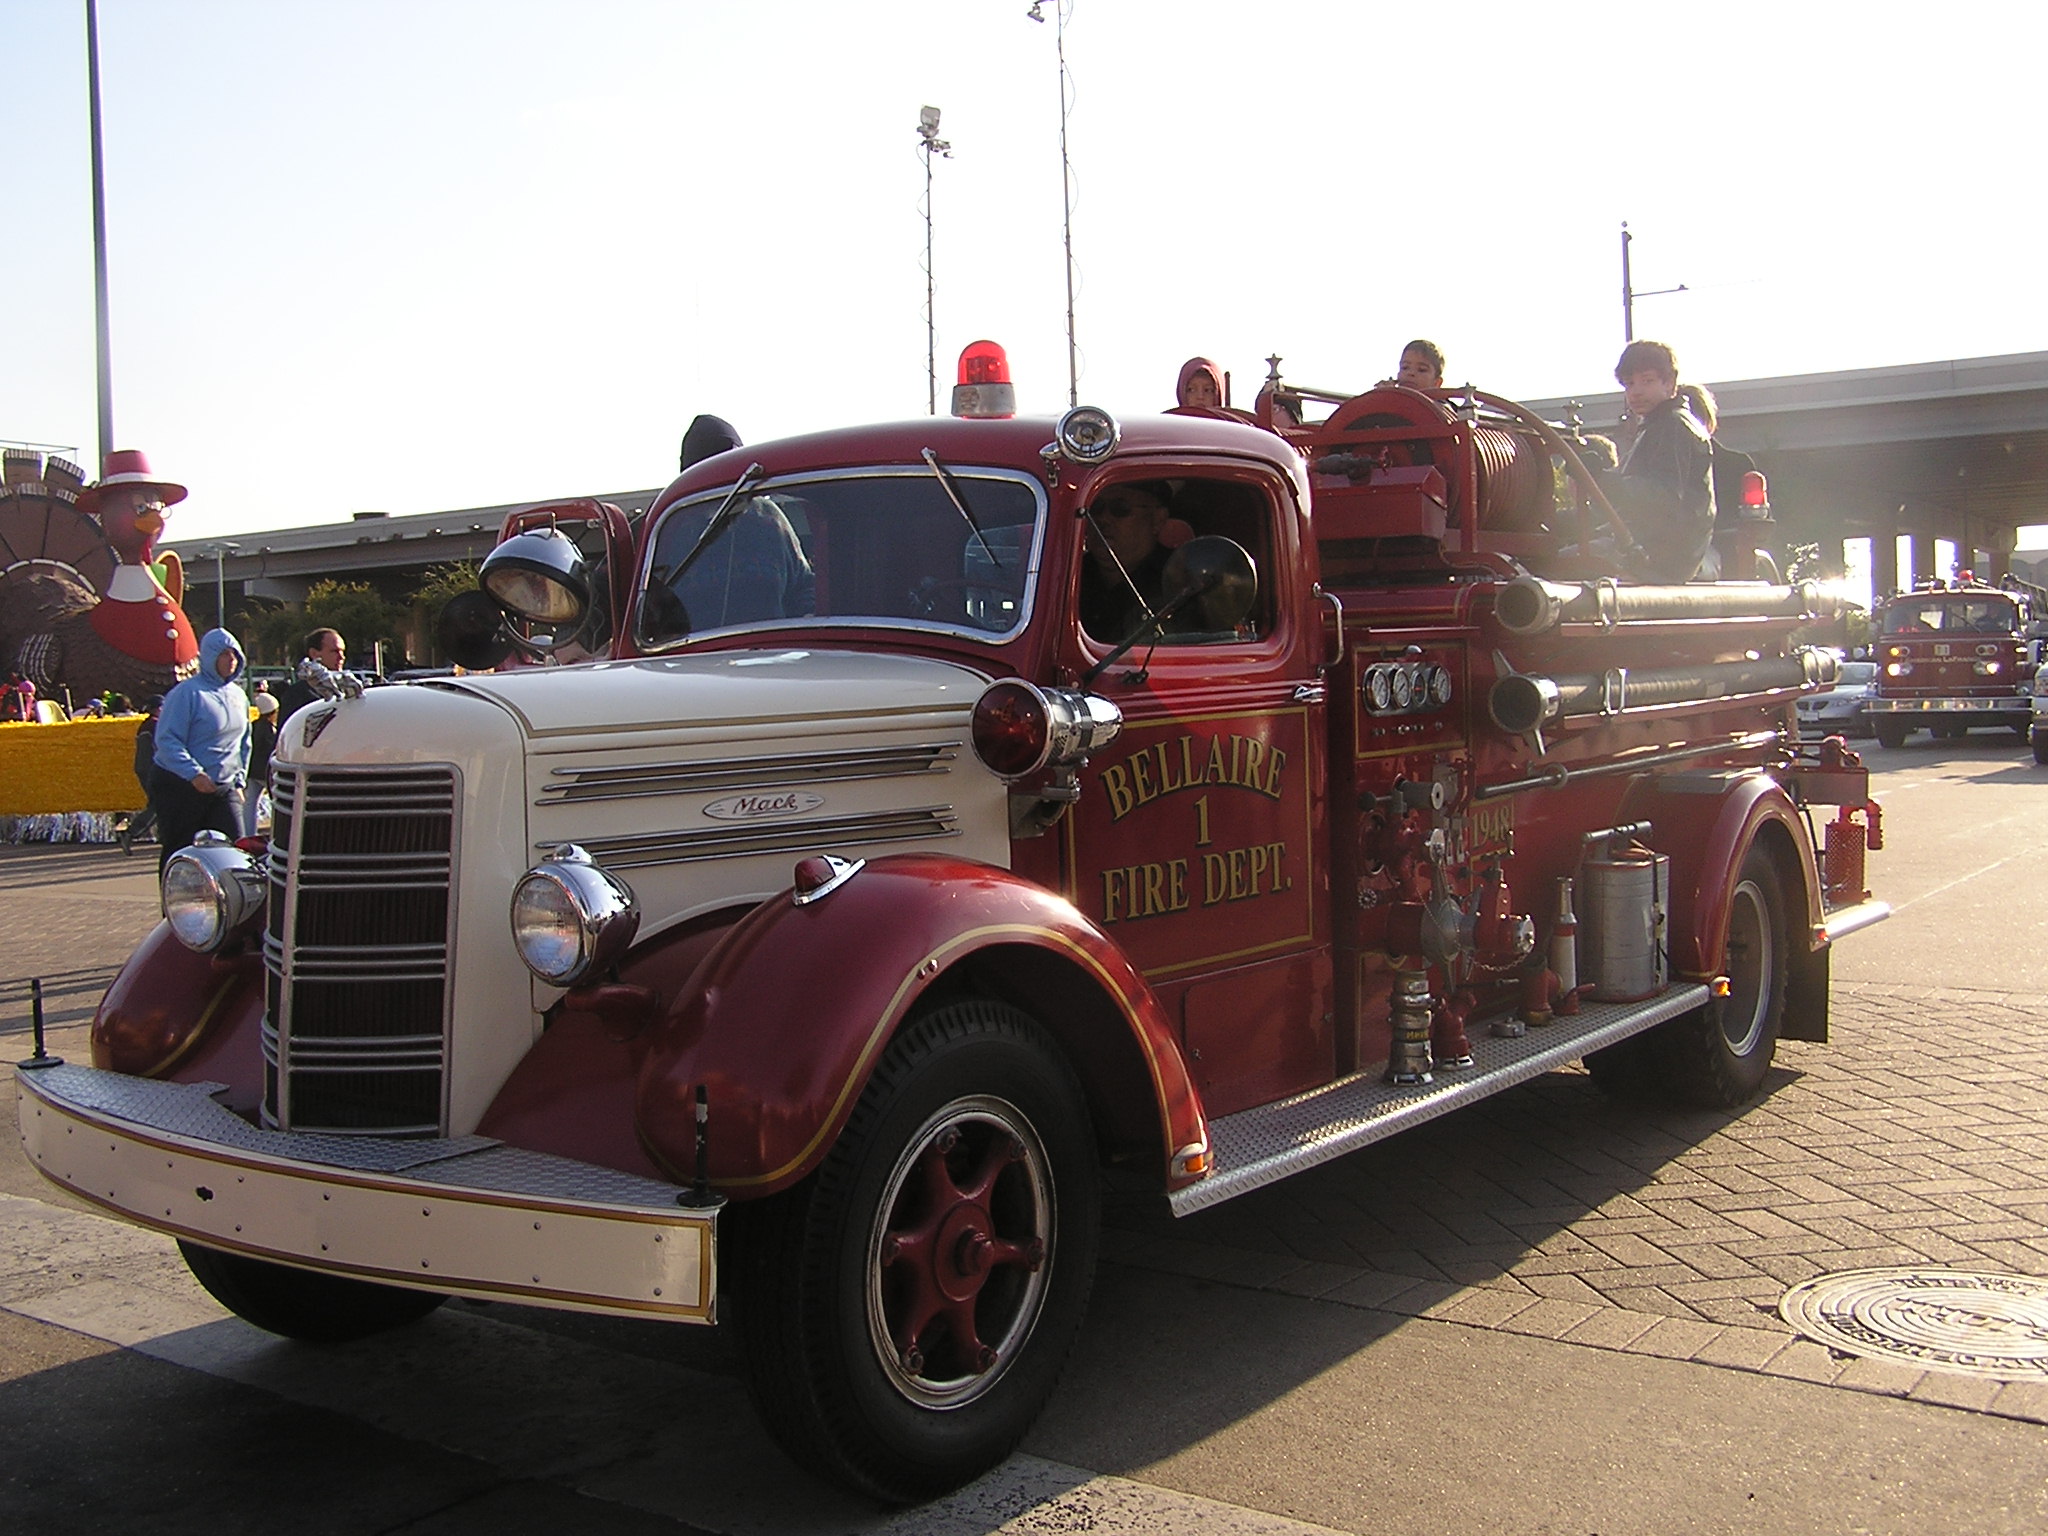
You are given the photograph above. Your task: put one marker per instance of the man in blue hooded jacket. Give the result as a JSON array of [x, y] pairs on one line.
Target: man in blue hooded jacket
[[202, 749]]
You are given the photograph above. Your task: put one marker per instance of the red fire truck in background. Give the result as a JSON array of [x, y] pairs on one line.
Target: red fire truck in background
[[1955, 654], [823, 946]]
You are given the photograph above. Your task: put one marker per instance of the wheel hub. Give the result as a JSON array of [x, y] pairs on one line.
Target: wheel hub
[[959, 1257]]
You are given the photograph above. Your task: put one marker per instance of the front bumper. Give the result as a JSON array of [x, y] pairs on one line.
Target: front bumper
[[2008, 704], [468, 1216]]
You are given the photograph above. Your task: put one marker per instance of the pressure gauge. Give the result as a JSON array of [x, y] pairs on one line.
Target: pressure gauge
[[1440, 686], [1404, 687], [1379, 690]]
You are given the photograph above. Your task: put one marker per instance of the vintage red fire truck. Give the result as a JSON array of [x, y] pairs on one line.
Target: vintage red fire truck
[[824, 943], [1951, 655]]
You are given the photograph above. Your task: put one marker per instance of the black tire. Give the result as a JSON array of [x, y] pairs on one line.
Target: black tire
[[963, 1189], [1890, 732], [301, 1304], [2040, 749], [1718, 1056]]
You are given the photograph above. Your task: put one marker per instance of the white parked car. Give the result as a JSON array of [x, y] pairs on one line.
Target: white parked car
[[1840, 711]]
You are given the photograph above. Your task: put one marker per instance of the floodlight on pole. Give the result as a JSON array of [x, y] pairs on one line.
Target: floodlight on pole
[[930, 144]]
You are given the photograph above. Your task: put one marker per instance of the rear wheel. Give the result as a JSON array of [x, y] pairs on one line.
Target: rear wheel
[[907, 1309], [2040, 749], [301, 1303], [1718, 1056], [1890, 732]]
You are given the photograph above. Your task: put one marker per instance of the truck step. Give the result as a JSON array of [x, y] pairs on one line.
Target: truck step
[[1255, 1147]]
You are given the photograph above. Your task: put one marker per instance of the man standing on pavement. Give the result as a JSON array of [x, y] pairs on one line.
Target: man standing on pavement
[[202, 749], [324, 646]]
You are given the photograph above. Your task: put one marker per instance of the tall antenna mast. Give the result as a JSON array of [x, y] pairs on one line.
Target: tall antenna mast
[[1059, 30], [931, 143], [1629, 293]]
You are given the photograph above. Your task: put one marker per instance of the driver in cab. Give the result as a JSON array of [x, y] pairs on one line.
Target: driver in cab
[[1122, 576]]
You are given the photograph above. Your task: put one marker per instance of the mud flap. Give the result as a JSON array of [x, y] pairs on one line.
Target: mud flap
[[1806, 997]]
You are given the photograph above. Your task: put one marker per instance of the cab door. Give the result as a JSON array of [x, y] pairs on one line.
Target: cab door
[[1198, 841]]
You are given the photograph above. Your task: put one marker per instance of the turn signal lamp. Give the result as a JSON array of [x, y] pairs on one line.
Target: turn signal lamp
[[984, 391]]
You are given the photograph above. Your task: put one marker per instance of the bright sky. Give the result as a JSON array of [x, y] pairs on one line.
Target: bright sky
[[408, 255]]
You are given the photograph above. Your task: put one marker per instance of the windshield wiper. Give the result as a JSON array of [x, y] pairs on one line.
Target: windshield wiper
[[727, 514], [945, 480]]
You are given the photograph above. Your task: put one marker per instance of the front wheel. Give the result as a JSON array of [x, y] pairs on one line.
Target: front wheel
[[2040, 749], [1718, 1056], [906, 1310], [301, 1303], [1891, 733]]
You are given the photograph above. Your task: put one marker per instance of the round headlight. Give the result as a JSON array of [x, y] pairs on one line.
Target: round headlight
[[570, 918], [192, 904], [212, 893]]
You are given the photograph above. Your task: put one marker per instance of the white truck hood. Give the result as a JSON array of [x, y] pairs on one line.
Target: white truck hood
[[722, 693]]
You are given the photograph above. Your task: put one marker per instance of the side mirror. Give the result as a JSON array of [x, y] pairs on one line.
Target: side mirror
[[1212, 581], [471, 631]]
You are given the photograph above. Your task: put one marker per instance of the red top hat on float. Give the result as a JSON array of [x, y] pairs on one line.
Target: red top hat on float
[[128, 466]]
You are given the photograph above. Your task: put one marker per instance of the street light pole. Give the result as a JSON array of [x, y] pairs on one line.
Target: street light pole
[[99, 233], [220, 582]]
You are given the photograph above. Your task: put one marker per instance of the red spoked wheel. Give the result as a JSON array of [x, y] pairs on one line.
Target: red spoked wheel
[[906, 1310], [956, 1271]]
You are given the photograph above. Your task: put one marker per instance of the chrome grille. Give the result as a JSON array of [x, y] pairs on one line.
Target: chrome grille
[[357, 949]]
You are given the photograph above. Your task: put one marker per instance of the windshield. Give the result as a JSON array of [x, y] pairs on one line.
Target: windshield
[[1856, 674], [1980, 616], [897, 547]]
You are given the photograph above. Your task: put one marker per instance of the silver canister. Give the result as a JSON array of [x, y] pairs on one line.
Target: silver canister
[[1624, 907]]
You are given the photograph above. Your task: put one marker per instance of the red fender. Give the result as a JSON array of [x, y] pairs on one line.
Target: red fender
[[1709, 836], [786, 1017], [175, 1013]]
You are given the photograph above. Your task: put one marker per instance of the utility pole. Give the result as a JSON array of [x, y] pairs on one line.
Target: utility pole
[[928, 133], [1629, 294]]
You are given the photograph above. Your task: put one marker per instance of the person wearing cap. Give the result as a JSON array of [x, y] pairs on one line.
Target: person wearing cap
[[262, 742], [202, 749]]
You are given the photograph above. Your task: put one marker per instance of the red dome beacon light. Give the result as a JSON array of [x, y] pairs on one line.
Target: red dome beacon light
[[1020, 729], [984, 391], [1756, 495]]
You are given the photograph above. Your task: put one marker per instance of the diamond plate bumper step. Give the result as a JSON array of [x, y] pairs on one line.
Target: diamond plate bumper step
[[1256, 1147]]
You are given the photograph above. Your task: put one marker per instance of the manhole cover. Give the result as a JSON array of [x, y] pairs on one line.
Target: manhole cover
[[1936, 1319]]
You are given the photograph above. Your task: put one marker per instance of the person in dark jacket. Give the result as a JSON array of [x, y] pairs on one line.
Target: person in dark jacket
[[1665, 490], [324, 646], [1122, 575], [262, 742], [143, 822]]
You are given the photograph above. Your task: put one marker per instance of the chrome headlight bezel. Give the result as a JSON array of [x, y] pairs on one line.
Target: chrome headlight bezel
[[593, 906], [213, 893]]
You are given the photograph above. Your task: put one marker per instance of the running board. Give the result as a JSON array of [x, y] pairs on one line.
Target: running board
[[1256, 1147]]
